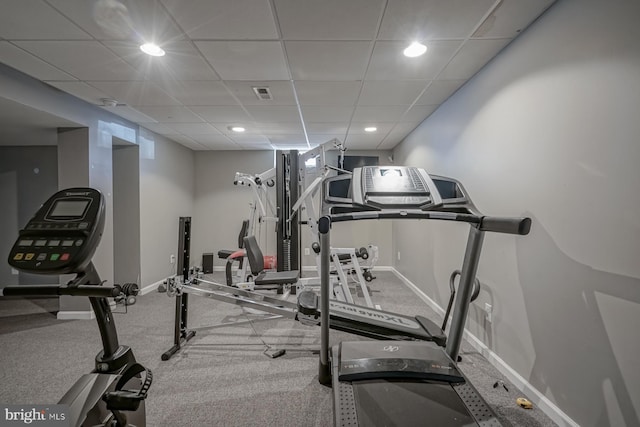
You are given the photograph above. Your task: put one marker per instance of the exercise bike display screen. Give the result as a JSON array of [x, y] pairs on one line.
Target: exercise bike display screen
[[69, 208], [62, 236]]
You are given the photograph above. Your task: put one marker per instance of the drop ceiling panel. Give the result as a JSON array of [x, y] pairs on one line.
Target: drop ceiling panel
[[276, 113], [200, 93], [511, 17], [357, 128], [212, 138], [224, 19], [389, 63], [280, 128], [128, 113], [188, 142], [329, 19], [380, 113], [81, 90], [438, 91], [473, 56], [141, 20], [246, 60], [315, 139], [181, 62], [327, 93], [361, 141], [289, 141], [86, 60], [36, 20], [17, 58], [135, 93], [159, 128], [418, 113], [319, 113], [390, 92], [191, 129], [327, 128], [251, 128], [250, 140], [222, 114], [171, 114], [328, 60], [281, 92], [432, 19]]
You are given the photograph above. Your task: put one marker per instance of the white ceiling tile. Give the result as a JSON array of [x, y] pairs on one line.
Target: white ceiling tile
[[315, 140], [327, 128], [211, 138], [328, 19], [251, 128], [472, 57], [158, 128], [357, 128], [405, 127], [17, 58], [431, 19], [224, 19], [327, 93], [222, 113], [390, 92], [86, 60], [171, 114], [389, 143], [247, 140], [257, 146], [389, 63], [129, 113], [511, 17], [36, 20], [200, 93], [187, 142], [181, 61], [281, 92], [280, 128], [290, 141], [363, 142], [418, 113], [275, 113], [141, 21], [438, 91], [135, 93], [328, 60], [246, 60], [192, 129], [379, 113], [322, 113]]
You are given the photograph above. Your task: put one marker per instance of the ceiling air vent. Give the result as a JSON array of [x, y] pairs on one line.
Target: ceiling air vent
[[263, 93]]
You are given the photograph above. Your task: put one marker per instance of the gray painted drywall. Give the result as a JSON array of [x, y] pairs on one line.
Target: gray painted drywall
[[167, 185], [35, 178], [549, 129], [126, 213]]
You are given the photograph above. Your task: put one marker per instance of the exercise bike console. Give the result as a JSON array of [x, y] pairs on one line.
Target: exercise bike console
[[63, 235]]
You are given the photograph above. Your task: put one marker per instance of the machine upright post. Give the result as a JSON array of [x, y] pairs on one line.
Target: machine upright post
[[465, 289], [324, 227]]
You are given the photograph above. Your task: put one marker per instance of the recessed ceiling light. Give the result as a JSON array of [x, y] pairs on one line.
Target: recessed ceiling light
[[370, 129], [415, 49], [152, 49], [237, 128]]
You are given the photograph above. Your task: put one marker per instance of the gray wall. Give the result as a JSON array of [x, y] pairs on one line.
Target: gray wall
[[167, 186], [549, 129], [30, 176]]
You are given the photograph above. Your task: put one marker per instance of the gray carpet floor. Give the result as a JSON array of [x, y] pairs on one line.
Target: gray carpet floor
[[223, 376]]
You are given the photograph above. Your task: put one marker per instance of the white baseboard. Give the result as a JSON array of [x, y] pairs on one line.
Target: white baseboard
[[151, 288], [75, 315], [538, 398]]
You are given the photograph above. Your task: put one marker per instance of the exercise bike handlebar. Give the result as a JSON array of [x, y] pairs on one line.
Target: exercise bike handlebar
[[81, 290]]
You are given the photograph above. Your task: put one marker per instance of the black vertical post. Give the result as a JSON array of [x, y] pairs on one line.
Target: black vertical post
[[281, 250], [180, 332], [294, 225]]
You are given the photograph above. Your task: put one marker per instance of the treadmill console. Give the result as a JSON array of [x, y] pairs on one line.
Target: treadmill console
[[394, 187], [63, 235]]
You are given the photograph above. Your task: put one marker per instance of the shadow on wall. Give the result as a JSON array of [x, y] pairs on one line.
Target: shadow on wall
[[577, 348]]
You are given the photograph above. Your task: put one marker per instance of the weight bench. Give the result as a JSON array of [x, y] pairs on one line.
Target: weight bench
[[264, 279]]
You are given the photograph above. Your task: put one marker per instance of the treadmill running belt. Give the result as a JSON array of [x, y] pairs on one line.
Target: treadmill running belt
[[409, 403]]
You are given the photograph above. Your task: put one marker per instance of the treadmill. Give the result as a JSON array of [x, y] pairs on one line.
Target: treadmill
[[394, 382]]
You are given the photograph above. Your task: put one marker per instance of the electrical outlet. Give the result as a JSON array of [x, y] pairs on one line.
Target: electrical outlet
[[307, 251], [488, 308], [172, 258], [14, 272], [398, 255]]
